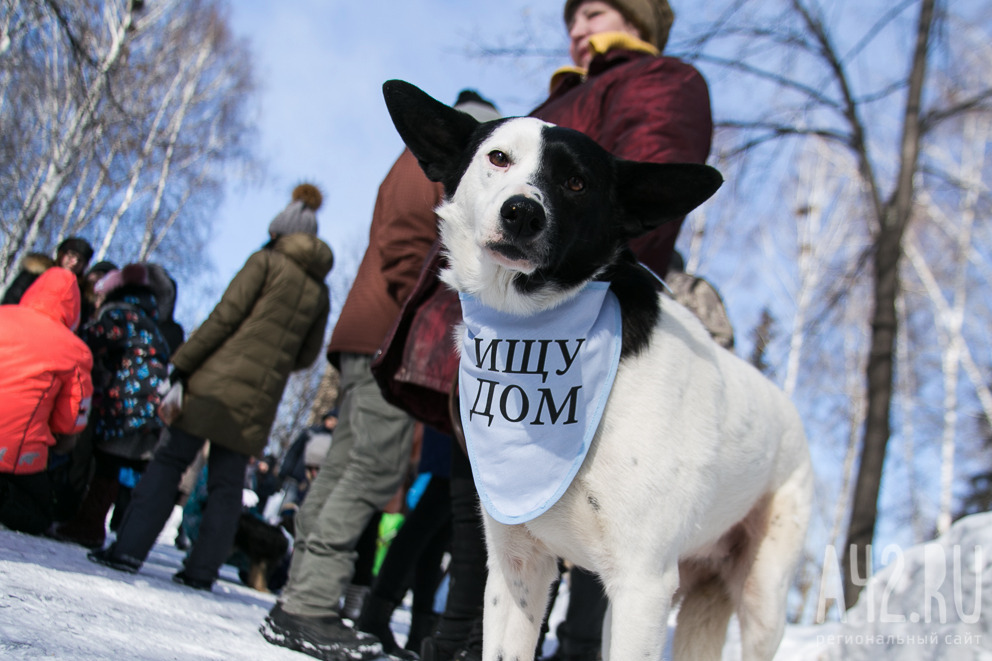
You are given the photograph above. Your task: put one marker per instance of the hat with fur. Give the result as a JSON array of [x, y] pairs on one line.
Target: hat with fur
[[300, 216], [653, 18], [132, 274]]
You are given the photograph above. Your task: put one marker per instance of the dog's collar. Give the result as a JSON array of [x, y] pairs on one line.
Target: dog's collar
[[533, 390]]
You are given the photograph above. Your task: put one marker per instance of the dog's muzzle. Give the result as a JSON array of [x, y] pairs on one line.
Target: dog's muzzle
[[522, 219]]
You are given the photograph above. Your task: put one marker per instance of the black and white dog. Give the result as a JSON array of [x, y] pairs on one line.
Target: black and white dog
[[672, 469]]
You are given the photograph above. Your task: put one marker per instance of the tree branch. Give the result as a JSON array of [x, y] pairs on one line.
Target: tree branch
[[931, 119], [775, 78]]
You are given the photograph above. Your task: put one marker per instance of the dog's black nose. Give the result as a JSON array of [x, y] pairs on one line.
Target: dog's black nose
[[523, 218]]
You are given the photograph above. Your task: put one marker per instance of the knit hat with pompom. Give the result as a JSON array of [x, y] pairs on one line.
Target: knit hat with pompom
[[300, 216]]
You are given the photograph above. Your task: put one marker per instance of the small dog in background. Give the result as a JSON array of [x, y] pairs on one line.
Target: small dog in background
[[690, 482]]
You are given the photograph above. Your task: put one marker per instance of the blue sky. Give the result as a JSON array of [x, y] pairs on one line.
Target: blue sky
[[320, 68]]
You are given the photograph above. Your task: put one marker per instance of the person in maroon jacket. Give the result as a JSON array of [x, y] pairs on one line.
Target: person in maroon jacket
[[639, 105], [635, 102]]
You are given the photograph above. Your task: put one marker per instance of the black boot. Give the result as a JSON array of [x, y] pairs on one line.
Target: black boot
[[325, 637], [421, 625], [464, 645], [109, 557], [377, 612], [182, 578], [432, 649]]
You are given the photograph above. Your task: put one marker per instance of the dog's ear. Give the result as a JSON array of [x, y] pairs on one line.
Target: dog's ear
[[652, 194], [435, 133]]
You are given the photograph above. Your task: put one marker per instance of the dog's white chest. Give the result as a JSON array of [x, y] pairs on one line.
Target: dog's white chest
[[532, 391]]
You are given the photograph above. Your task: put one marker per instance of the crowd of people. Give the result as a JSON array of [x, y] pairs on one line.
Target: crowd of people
[[106, 406]]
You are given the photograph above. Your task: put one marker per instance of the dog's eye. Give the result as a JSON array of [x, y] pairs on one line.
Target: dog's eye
[[575, 183], [499, 159]]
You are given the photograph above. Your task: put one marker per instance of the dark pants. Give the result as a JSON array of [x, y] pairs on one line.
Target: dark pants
[[467, 571], [155, 495], [581, 632], [414, 556], [26, 502], [88, 525], [366, 548]]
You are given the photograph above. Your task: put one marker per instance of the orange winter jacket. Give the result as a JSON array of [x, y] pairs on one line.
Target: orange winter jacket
[[45, 384]]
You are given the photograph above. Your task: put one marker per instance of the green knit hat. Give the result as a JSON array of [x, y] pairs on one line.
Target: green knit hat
[[653, 18]]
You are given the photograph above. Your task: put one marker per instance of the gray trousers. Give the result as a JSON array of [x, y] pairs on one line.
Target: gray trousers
[[366, 464]]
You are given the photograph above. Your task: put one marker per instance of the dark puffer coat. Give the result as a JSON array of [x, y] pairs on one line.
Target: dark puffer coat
[[269, 322]]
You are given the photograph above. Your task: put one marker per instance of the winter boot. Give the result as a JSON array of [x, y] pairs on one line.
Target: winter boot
[[421, 625], [108, 557], [325, 637], [89, 527], [182, 539], [454, 641], [435, 650], [354, 597], [182, 578], [377, 612], [561, 655]]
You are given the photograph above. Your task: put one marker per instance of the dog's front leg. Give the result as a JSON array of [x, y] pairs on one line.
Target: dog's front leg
[[520, 574], [639, 605]]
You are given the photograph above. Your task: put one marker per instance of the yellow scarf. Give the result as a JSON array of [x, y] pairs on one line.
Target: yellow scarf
[[603, 43]]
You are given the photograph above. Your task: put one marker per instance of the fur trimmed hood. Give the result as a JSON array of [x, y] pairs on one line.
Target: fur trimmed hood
[[36, 263]]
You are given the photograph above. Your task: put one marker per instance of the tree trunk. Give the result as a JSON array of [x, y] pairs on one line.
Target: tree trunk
[[888, 251]]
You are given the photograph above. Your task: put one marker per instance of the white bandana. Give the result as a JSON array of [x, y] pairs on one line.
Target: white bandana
[[532, 393]]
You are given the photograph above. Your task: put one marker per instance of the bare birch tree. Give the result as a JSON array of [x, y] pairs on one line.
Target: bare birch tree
[[950, 300], [810, 58], [126, 114]]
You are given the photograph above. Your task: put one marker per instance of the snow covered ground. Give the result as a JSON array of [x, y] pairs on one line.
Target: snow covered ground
[[930, 602], [54, 603]]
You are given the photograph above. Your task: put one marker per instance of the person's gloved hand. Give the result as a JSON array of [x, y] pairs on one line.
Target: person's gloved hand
[[177, 376], [172, 403]]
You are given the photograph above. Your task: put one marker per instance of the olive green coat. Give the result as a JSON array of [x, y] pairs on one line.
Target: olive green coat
[[270, 322]]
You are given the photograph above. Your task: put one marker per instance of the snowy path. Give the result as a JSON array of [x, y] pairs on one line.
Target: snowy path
[[54, 603]]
